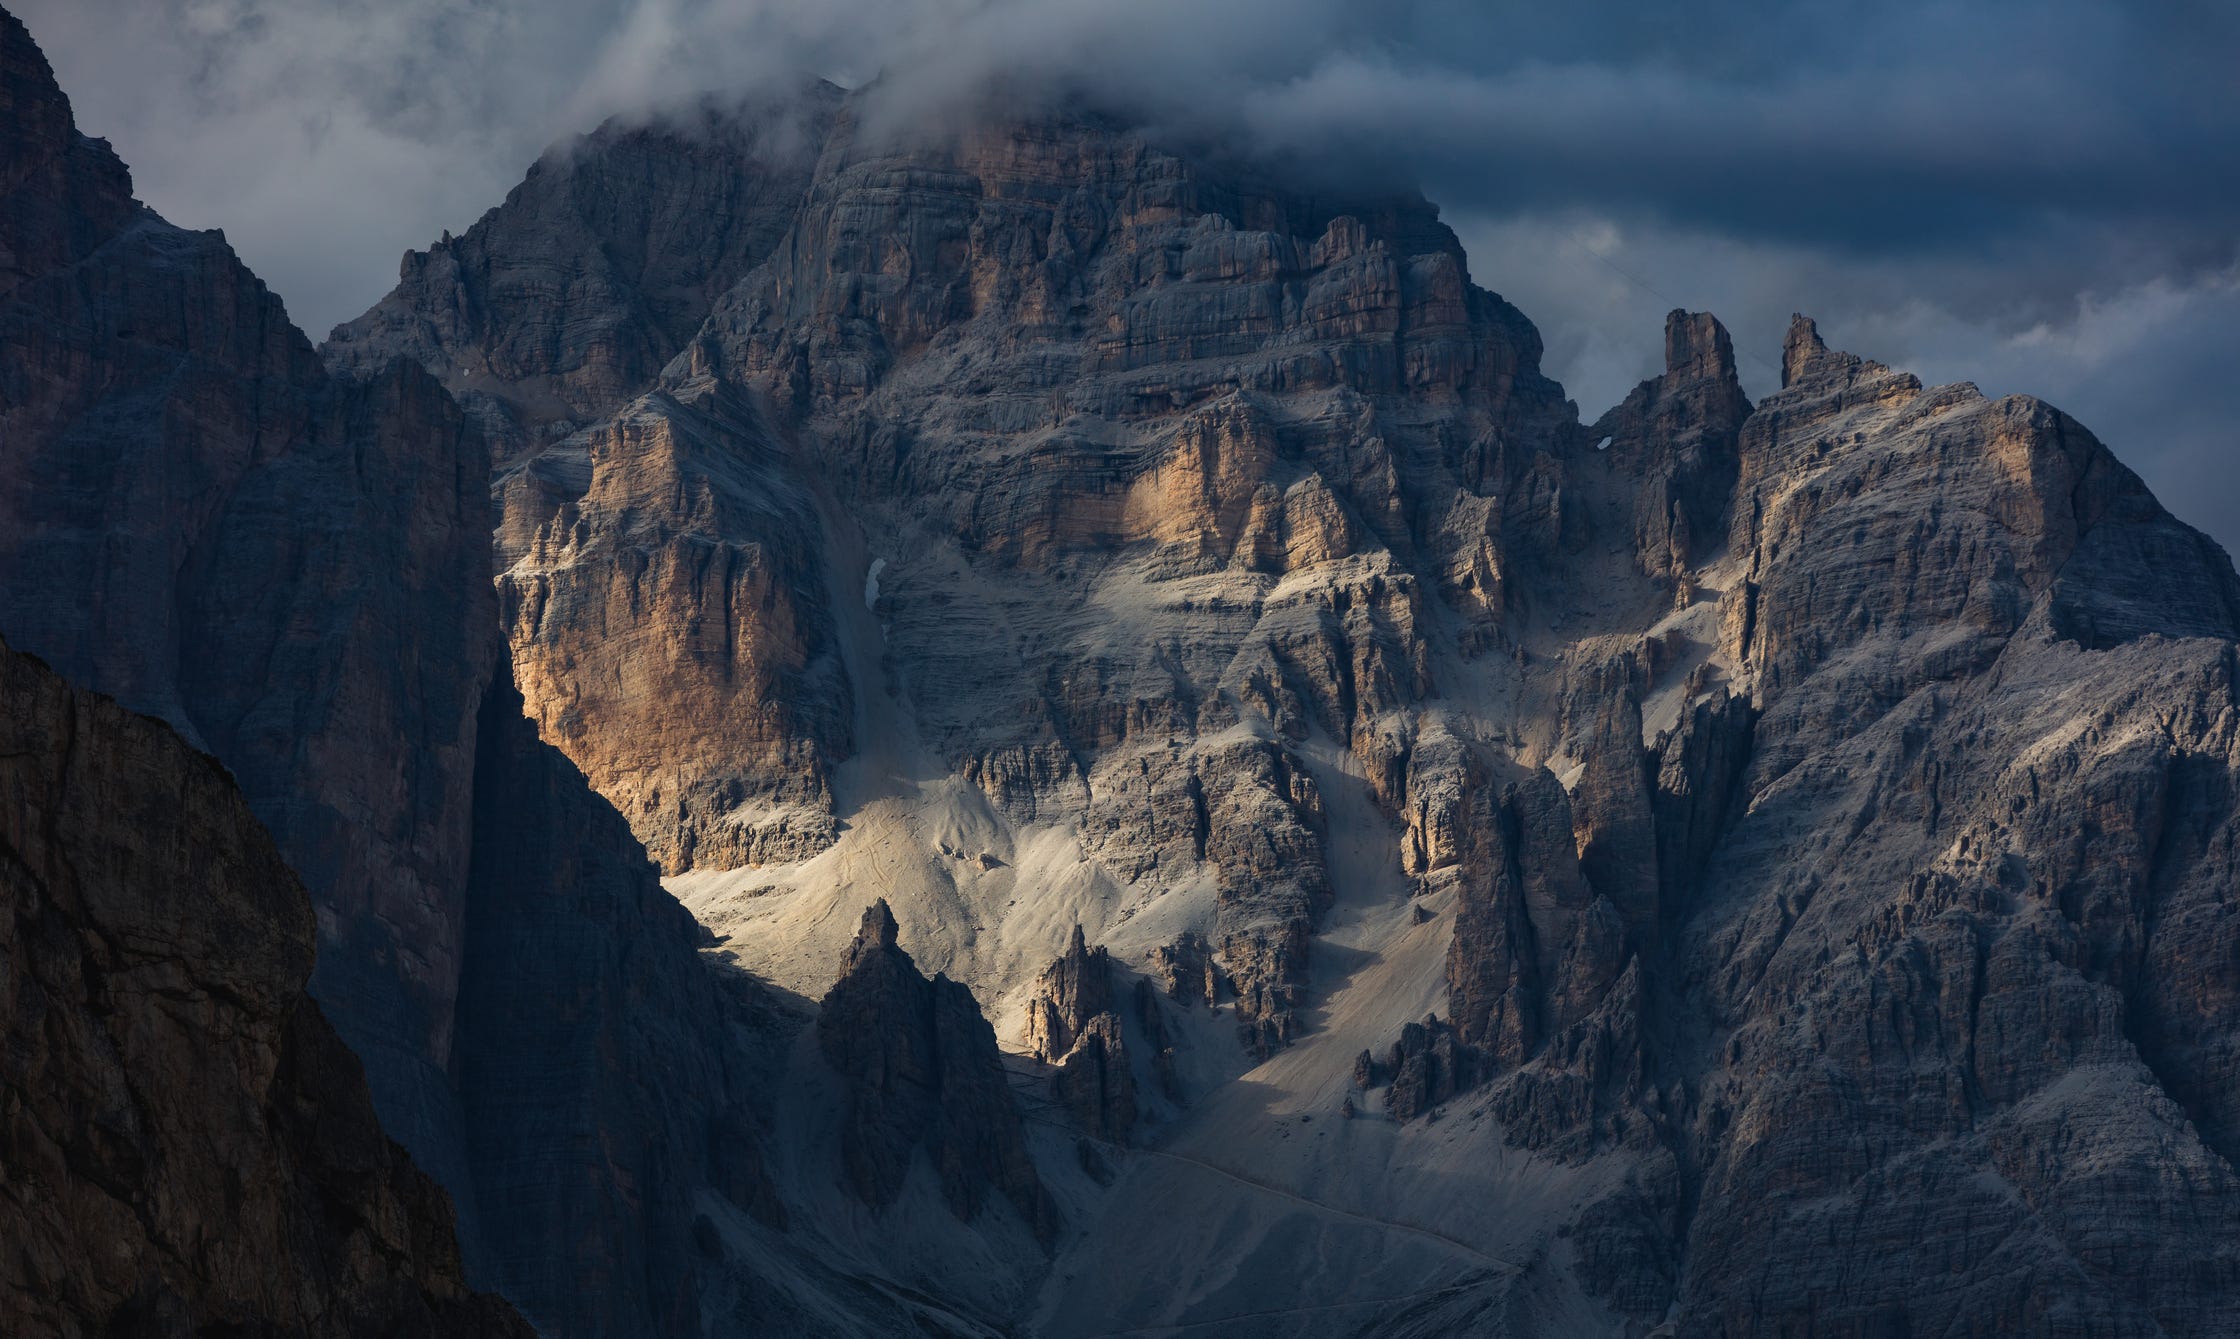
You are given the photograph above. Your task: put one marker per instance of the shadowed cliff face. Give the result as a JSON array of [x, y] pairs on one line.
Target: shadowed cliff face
[[920, 1067], [292, 569], [195, 519], [566, 299], [187, 1143]]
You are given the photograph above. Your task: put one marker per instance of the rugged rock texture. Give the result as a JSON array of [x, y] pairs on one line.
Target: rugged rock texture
[[599, 1066], [565, 300], [1825, 793], [1134, 422], [293, 569], [921, 1072], [1817, 815], [1964, 917], [1073, 1022], [185, 1145], [1931, 894], [194, 519], [1677, 433], [664, 592], [1074, 989]]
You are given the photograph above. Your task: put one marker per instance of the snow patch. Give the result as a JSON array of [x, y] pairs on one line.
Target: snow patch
[[871, 584]]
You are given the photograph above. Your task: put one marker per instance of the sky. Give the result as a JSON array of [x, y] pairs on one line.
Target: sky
[[2038, 197]]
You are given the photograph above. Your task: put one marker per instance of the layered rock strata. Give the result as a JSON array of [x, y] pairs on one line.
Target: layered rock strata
[[566, 299], [196, 520], [662, 592], [1814, 813], [1135, 423], [1923, 876]]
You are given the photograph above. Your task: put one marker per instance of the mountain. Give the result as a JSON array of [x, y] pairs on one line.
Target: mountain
[[1431, 863], [1808, 823]]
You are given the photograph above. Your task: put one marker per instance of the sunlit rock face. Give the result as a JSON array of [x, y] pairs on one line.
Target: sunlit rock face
[[1151, 449]]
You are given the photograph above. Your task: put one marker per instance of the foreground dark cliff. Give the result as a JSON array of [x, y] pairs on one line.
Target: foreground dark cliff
[[185, 1145]]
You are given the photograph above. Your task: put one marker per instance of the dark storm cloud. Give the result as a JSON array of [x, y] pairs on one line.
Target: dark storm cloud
[[2040, 197]]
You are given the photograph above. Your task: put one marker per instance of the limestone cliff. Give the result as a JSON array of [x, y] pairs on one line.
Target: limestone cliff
[[1073, 1022], [1791, 813], [1134, 431], [566, 299], [197, 521]]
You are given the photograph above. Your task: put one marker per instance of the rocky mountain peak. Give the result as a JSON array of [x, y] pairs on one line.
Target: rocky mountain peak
[[566, 299], [877, 932], [1074, 1022], [1804, 355], [186, 492], [61, 193], [1697, 348], [923, 1079]]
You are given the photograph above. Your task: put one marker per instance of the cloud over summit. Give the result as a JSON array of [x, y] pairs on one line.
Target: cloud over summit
[[2040, 196]]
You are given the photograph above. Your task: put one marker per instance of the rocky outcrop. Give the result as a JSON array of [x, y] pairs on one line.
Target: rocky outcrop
[[1095, 1082], [662, 589], [1975, 849], [1073, 1022], [600, 1074], [197, 521], [1931, 880], [1428, 1065], [1186, 970], [1677, 436], [1128, 429], [1830, 798], [187, 1146], [1074, 989], [921, 1073], [662, 585]]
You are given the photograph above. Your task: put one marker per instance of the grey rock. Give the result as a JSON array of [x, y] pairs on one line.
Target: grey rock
[[922, 1073], [563, 302], [1073, 1023]]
